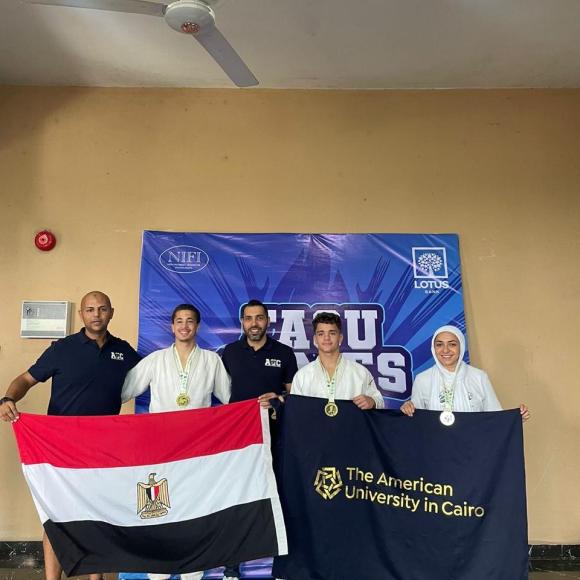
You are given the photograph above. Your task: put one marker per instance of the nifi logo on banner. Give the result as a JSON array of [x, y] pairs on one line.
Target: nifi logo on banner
[[184, 259], [430, 269]]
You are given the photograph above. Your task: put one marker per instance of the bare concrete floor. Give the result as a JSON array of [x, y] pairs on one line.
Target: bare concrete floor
[[37, 574]]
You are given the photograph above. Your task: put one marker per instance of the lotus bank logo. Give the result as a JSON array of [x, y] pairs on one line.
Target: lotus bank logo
[[184, 259], [328, 482], [430, 269]]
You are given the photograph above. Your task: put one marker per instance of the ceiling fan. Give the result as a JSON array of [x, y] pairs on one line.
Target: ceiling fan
[[195, 17]]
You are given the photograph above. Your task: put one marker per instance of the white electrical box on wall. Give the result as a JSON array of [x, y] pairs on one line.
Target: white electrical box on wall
[[45, 319]]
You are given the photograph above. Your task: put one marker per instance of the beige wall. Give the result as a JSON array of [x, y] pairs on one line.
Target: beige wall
[[500, 168]]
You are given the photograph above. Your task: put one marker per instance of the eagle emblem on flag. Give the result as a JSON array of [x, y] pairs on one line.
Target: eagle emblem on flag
[[153, 498]]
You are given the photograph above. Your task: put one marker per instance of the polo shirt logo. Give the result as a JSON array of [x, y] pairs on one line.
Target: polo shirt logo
[[117, 356], [272, 362]]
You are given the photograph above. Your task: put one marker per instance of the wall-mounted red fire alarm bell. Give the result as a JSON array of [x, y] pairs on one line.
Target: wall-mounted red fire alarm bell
[[45, 240]]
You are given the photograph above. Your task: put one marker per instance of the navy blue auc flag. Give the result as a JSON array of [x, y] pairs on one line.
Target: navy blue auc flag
[[377, 495]]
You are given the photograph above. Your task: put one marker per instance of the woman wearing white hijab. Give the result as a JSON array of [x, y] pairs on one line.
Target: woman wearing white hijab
[[451, 384]]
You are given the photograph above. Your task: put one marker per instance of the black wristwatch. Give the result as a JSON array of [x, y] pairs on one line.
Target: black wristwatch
[[6, 399]]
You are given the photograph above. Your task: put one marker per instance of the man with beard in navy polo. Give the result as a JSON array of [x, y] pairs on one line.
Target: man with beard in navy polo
[[259, 366], [87, 370]]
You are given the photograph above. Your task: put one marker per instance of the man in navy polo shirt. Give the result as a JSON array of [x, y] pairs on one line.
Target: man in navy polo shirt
[[87, 370], [259, 366]]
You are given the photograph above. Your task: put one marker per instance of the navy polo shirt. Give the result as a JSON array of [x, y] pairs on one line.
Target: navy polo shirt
[[255, 372], [86, 379]]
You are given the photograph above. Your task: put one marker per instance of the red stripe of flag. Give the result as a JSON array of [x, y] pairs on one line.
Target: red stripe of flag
[[128, 440]]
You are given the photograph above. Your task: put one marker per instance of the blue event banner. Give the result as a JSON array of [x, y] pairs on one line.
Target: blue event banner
[[391, 290]]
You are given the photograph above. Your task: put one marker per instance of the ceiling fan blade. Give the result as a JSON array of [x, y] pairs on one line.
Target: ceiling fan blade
[[150, 8], [223, 53]]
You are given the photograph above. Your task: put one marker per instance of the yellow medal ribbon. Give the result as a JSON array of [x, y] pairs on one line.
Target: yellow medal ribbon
[[183, 399], [331, 408]]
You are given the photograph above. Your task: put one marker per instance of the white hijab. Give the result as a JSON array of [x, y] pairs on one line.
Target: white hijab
[[441, 377]]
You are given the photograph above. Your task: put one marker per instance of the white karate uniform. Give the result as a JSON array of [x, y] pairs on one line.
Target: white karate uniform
[[473, 391], [159, 371], [352, 379]]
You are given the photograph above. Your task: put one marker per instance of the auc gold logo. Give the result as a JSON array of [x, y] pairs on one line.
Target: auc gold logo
[[328, 482]]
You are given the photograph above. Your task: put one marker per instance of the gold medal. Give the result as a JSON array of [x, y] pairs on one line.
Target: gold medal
[[331, 409], [182, 400]]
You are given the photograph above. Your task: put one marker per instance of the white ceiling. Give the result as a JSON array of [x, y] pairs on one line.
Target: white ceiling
[[359, 44]]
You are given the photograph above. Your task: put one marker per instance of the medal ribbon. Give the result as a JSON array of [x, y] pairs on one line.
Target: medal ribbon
[[331, 382], [448, 395], [184, 372], [448, 392]]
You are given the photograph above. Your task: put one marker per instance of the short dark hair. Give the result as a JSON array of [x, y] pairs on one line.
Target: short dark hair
[[180, 307], [253, 302], [327, 318]]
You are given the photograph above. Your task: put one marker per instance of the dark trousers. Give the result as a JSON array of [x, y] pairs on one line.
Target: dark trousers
[[232, 571]]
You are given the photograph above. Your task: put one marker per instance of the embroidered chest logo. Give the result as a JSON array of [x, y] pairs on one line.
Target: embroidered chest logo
[[153, 498], [117, 356], [273, 362]]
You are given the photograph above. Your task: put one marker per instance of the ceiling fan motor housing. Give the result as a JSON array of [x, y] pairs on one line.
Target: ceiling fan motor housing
[[190, 16]]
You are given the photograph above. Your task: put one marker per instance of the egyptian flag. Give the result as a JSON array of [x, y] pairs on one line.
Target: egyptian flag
[[164, 493]]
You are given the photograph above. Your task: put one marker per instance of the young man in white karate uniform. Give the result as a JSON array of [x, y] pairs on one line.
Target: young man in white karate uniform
[[332, 376], [182, 376]]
